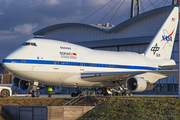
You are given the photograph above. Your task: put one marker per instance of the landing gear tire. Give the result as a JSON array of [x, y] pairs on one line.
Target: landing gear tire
[[126, 94], [35, 93], [119, 94], [77, 94], [114, 94], [5, 93], [130, 94], [73, 94]]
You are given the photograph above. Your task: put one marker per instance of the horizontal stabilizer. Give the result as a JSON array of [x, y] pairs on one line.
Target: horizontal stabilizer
[[169, 67]]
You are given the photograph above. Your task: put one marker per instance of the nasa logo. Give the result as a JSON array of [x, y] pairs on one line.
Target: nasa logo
[[166, 37]]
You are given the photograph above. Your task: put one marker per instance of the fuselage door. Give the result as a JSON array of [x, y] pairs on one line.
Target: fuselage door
[[82, 64], [55, 63]]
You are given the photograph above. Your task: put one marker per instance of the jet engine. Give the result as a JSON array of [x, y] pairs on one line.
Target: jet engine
[[25, 85], [22, 84], [16, 82], [138, 84]]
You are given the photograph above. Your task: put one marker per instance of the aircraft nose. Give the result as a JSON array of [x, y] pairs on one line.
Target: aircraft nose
[[8, 61], [7, 64]]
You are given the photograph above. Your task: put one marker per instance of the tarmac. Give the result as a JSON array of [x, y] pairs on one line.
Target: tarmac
[[42, 96], [155, 95], [68, 95]]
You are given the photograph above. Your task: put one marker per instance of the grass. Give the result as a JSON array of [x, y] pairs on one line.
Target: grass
[[135, 108], [109, 108]]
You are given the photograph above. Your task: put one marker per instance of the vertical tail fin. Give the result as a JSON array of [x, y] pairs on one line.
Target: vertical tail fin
[[162, 44]]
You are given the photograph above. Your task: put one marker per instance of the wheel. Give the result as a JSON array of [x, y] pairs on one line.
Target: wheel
[[104, 94], [119, 94], [114, 94], [5, 93], [126, 94], [77, 94], [73, 94], [36, 93], [130, 94]]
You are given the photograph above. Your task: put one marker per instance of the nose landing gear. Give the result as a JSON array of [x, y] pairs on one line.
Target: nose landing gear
[[34, 91]]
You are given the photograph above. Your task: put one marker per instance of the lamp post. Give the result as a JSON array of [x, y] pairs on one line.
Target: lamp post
[[179, 57]]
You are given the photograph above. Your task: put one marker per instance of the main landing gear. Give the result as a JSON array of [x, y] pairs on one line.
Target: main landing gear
[[77, 92], [116, 92], [123, 91], [34, 91]]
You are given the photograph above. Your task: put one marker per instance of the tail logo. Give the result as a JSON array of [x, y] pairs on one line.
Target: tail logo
[[155, 49], [167, 38]]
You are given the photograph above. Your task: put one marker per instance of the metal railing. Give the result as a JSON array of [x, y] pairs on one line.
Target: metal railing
[[76, 99]]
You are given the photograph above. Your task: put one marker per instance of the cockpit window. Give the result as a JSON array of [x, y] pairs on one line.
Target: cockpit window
[[29, 44]]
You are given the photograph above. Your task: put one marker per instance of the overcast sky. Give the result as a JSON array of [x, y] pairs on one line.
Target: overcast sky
[[19, 19]]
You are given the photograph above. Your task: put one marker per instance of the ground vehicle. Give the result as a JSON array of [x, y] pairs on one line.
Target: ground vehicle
[[5, 90]]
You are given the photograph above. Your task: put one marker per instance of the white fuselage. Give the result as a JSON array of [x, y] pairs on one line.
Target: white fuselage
[[61, 63]]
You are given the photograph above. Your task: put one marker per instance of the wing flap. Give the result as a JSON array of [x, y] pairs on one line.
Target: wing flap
[[108, 76]]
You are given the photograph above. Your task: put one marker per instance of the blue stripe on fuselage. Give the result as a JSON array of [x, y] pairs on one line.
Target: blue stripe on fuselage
[[68, 63]]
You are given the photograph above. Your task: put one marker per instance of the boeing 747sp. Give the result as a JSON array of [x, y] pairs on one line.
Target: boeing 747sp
[[60, 63]]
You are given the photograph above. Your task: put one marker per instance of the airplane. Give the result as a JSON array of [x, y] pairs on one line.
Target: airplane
[[61, 63]]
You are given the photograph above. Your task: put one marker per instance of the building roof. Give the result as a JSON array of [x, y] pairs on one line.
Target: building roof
[[49, 28], [102, 28]]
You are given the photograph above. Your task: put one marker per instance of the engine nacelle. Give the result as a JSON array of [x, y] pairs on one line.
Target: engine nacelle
[[16, 82], [137, 84], [25, 85]]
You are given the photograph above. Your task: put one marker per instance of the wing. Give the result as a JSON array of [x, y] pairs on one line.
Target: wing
[[114, 76], [108, 76]]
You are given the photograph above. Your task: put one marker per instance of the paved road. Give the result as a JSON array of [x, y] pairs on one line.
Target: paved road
[[65, 95], [42, 96], [155, 95]]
